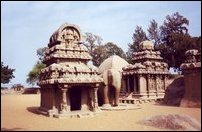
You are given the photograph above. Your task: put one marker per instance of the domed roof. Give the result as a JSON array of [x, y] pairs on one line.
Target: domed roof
[[146, 45], [113, 62], [66, 29]]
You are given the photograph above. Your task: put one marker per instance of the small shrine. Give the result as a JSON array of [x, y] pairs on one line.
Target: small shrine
[[68, 84], [191, 69], [146, 78]]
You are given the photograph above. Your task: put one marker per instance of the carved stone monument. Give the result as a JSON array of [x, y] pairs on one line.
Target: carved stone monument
[[111, 71], [191, 70], [67, 82], [146, 79]]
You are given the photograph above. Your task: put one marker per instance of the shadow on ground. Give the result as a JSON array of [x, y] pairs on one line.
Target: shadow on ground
[[33, 109], [11, 129]]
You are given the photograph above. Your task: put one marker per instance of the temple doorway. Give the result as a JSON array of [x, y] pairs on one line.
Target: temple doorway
[[75, 98], [131, 83], [136, 88]]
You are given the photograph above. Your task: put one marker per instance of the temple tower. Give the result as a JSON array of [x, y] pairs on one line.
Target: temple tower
[[67, 82], [146, 78], [191, 69]]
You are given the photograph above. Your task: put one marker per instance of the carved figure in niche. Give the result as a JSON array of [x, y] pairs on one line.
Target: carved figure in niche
[[76, 36], [152, 83], [159, 83], [191, 59], [69, 36]]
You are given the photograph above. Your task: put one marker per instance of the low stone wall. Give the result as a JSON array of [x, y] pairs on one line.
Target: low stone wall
[[139, 101], [31, 91]]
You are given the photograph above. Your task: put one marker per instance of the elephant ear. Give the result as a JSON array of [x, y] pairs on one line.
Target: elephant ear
[[113, 62]]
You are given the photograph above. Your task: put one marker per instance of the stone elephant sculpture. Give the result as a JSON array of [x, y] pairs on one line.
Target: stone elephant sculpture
[[111, 71]]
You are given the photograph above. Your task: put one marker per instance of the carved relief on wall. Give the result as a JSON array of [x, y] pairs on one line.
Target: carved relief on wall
[[151, 83], [157, 66], [69, 35], [159, 83]]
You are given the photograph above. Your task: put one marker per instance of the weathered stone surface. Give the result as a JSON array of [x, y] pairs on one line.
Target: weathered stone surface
[[174, 92], [191, 70], [110, 70], [67, 82], [146, 78]]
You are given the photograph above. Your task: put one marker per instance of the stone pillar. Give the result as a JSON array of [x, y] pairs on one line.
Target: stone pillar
[[164, 81], [156, 85], [124, 84], [142, 86], [151, 86], [53, 111], [53, 98], [128, 84], [95, 98], [90, 99], [64, 107], [135, 85], [148, 84]]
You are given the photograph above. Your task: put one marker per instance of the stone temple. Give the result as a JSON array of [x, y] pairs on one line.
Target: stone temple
[[68, 84], [146, 78], [191, 69]]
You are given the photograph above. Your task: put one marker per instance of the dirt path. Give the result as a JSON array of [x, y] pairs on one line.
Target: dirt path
[[17, 113]]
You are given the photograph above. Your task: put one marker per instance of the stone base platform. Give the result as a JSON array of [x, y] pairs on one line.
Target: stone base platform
[[139, 101], [191, 102], [121, 107], [71, 114]]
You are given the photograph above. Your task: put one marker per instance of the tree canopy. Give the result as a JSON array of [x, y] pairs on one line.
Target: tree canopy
[[102, 52], [138, 36], [33, 75], [6, 74], [92, 41], [172, 39]]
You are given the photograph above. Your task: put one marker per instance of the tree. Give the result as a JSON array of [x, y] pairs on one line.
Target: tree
[[33, 75], [102, 52], [92, 41], [154, 32], [138, 36], [175, 39], [196, 43], [6, 74], [41, 53], [99, 55], [171, 39]]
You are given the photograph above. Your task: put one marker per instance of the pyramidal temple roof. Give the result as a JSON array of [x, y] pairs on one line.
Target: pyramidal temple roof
[[146, 61], [66, 59]]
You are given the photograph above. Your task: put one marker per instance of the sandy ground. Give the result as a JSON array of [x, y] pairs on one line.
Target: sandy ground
[[17, 113]]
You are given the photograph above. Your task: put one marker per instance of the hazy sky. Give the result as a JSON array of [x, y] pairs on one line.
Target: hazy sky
[[27, 26]]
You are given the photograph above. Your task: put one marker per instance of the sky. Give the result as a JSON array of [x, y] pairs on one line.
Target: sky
[[27, 26]]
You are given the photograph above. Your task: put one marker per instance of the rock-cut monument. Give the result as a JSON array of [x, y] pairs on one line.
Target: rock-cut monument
[[146, 78], [191, 69], [68, 84]]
